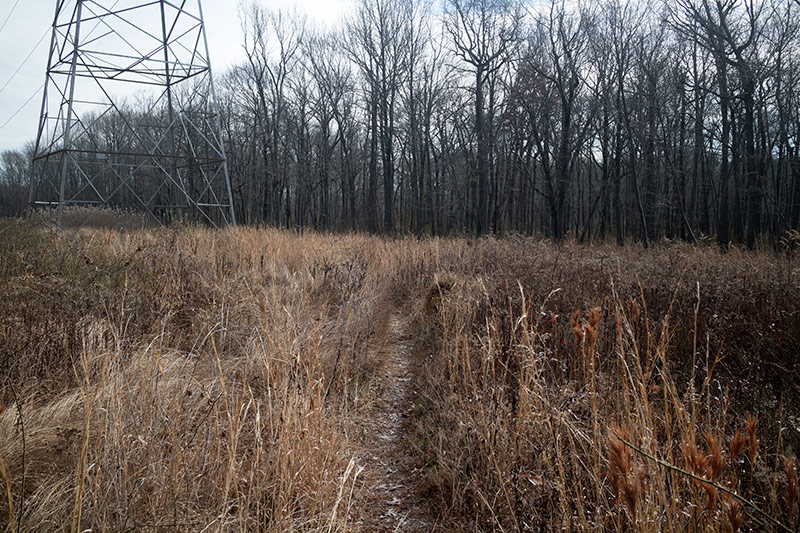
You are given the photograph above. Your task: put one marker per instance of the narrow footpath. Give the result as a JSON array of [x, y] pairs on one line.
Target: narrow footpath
[[389, 498]]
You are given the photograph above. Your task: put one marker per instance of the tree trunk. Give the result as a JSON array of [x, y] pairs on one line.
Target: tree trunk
[[372, 193], [723, 230], [751, 163], [483, 157]]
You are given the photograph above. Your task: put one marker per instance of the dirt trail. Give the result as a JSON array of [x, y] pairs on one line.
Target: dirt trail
[[389, 500]]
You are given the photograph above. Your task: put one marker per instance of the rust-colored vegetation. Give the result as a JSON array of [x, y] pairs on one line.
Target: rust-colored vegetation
[[184, 379]]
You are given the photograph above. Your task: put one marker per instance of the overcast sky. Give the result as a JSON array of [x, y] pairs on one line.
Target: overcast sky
[[32, 20]]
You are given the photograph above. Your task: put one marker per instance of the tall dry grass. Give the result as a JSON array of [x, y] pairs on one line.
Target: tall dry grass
[[184, 379], [610, 389], [194, 380]]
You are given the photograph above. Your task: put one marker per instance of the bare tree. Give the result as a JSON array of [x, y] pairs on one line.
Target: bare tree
[[611, 121], [376, 43], [335, 85], [557, 54], [272, 46], [484, 35], [730, 30]]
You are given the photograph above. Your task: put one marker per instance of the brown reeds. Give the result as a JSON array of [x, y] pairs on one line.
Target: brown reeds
[[182, 379], [519, 403]]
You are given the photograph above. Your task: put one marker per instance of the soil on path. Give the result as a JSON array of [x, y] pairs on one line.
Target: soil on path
[[389, 498]]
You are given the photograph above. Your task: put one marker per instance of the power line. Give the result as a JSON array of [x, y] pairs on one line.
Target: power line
[[27, 58], [39, 42], [21, 107], [9, 16], [24, 61]]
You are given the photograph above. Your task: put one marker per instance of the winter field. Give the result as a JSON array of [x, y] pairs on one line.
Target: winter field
[[187, 379]]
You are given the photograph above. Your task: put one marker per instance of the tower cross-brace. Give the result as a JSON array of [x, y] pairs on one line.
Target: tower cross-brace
[[164, 154]]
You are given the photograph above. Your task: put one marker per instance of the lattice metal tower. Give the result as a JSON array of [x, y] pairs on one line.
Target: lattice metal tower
[[129, 113]]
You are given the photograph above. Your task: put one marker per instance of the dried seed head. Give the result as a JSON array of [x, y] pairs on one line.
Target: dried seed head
[[630, 493], [619, 455], [578, 332], [734, 514], [576, 318], [790, 495], [633, 310], [591, 336], [752, 441], [713, 496], [715, 458], [738, 445], [595, 315], [696, 462], [628, 484]]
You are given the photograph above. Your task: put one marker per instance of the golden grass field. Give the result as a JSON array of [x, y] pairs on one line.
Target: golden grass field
[[187, 379]]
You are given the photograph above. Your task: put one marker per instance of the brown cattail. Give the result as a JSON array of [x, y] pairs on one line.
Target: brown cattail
[[715, 457], [790, 495], [633, 310], [737, 445]]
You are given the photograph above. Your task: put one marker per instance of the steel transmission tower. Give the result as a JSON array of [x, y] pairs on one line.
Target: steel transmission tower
[[129, 113]]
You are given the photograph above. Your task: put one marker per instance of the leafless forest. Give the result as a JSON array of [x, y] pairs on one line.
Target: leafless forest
[[609, 120]]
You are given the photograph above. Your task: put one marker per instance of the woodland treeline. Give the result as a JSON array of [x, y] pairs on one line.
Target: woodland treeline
[[604, 120]]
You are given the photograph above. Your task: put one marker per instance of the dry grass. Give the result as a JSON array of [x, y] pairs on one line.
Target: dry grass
[[194, 380], [600, 388], [184, 379], [74, 217]]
